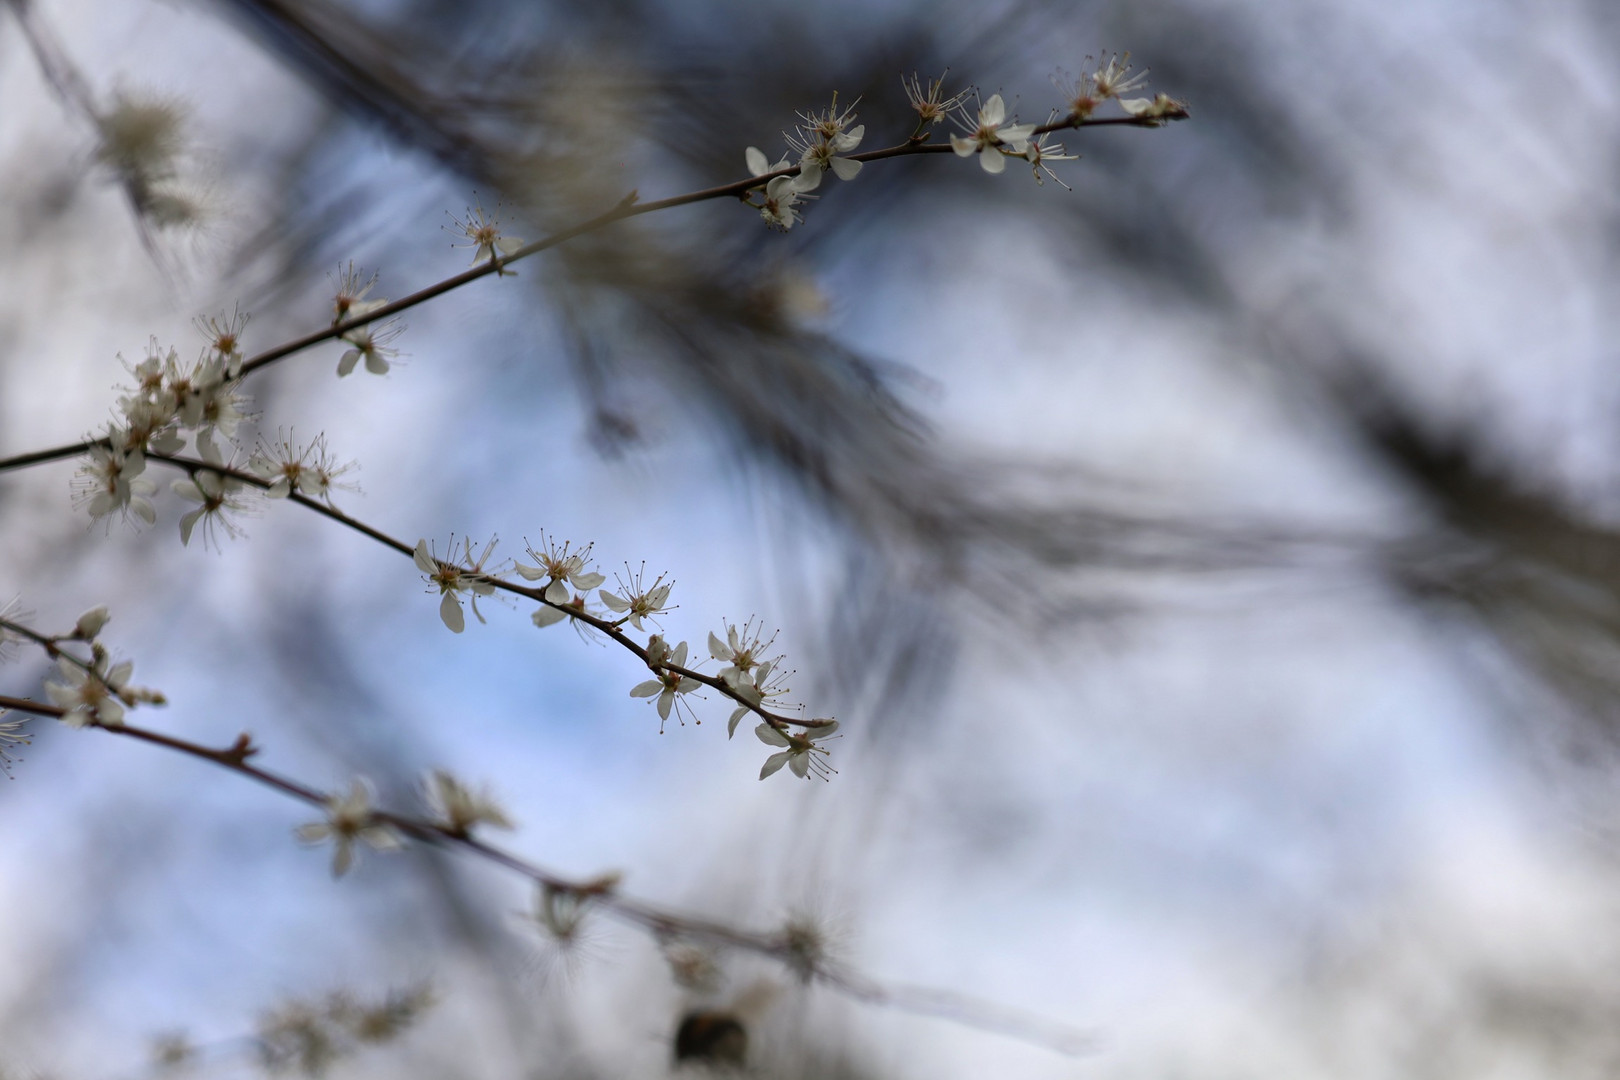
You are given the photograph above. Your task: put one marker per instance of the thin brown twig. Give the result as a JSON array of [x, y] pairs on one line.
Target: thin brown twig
[[626, 208], [661, 922], [612, 628]]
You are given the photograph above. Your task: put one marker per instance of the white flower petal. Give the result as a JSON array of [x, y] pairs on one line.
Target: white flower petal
[[91, 622], [809, 179], [450, 612], [342, 856], [423, 559], [187, 523], [773, 763]]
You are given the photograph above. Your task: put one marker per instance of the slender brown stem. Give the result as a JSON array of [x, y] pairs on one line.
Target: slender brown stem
[[660, 921], [628, 207], [611, 628]]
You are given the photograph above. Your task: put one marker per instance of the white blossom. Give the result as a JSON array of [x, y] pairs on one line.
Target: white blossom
[[1155, 110], [822, 140], [349, 818], [90, 623], [372, 343], [742, 651], [218, 496], [565, 569], [638, 603], [781, 199], [225, 338], [458, 808], [802, 754], [350, 300], [1043, 149], [988, 132], [452, 579], [91, 693], [930, 103], [309, 471], [109, 481], [766, 683], [483, 232], [667, 684], [1114, 78]]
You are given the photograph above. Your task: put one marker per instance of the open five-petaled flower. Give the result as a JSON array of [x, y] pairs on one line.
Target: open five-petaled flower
[[802, 754]]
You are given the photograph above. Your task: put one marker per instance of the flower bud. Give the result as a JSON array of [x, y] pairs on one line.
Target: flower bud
[[91, 622]]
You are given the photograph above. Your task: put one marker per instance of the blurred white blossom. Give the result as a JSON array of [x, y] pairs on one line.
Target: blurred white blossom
[[458, 808], [349, 818]]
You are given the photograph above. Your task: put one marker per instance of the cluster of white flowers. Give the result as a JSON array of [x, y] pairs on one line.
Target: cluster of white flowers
[[94, 694], [779, 201], [308, 471], [754, 677], [168, 400], [1112, 78], [141, 143], [453, 807], [821, 143], [310, 1037]]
